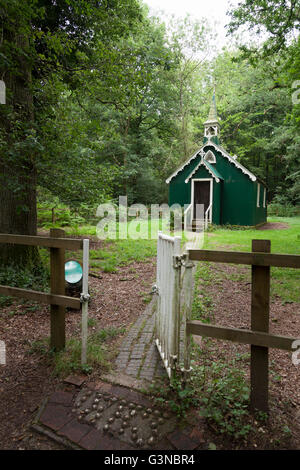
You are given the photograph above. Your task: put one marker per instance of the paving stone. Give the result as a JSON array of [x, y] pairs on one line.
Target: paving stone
[[77, 380], [138, 398], [181, 441], [74, 430], [197, 436], [121, 392], [92, 440], [55, 416], [62, 398], [100, 386], [163, 444], [96, 440], [109, 443]]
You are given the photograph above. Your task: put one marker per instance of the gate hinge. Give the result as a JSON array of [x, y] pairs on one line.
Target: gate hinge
[[173, 361], [186, 262], [154, 289], [177, 261]]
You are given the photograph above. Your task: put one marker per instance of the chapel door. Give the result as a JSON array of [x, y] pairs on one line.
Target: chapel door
[[201, 196]]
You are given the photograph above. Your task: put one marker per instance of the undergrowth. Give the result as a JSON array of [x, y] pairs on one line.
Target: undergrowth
[[13, 276], [99, 353]]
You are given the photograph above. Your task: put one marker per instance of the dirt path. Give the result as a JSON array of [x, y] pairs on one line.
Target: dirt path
[[231, 295], [117, 300], [273, 226]]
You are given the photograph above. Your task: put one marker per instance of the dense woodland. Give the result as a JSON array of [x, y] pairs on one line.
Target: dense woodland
[[104, 100]]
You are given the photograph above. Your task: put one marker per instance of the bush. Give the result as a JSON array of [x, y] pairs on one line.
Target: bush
[[283, 210], [37, 279]]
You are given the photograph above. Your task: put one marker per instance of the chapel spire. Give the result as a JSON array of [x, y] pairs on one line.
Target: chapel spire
[[211, 125]]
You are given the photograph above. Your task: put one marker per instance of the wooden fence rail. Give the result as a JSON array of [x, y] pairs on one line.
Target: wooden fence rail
[[56, 298], [258, 336], [54, 241]]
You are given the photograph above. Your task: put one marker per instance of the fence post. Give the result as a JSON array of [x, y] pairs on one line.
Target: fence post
[[260, 306], [188, 301], [85, 300], [57, 286], [176, 304]]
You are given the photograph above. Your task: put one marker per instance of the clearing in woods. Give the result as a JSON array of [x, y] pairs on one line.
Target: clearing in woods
[[122, 273]]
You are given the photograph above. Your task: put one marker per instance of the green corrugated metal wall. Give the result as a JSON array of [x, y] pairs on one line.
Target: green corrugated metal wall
[[234, 198]]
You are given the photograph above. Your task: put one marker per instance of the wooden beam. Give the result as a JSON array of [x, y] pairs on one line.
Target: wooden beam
[[42, 297], [260, 308], [236, 257], [238, 335], [57, 286], [66, 243]]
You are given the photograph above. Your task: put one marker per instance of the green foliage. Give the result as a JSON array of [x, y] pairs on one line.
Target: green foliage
[[283, 210], [121, 252], [5, 301], [117, 99], [178, 397], [202, 307], [13, 276], [278, 18], [69, 360], [224, 397], [98, 354]]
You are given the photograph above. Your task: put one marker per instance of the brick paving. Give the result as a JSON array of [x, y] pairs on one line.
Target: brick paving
[[103, 416], [138, 356], [107, 415]]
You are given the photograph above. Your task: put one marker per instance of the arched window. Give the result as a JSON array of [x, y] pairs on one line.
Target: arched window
[[210, 157]]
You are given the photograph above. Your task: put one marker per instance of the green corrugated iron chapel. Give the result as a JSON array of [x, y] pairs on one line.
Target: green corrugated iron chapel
[[213, 183]]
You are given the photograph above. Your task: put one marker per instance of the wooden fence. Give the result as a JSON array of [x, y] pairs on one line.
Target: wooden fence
[[258, 336], [56, 298]]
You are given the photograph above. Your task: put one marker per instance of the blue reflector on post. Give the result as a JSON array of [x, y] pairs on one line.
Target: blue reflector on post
[[73, 272]]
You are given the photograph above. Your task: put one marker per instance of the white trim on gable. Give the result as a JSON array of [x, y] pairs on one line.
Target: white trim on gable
[[202, 162], [199, 151], [223, 152], [233, 160]]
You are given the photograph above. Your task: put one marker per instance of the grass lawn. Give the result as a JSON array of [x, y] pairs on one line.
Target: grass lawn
[[284, 281], [116, 252]]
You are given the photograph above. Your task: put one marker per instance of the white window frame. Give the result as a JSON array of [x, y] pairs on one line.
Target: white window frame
[[265, 197], [258, 195], [210, 195]]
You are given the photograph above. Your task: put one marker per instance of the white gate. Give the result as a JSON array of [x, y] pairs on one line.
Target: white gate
[[168, 307]]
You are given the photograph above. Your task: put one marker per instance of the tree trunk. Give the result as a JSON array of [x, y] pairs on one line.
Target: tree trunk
[[17, 166]]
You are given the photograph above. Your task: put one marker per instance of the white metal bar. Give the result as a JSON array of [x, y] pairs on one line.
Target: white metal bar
[[163, 236], [168, 282], [84, 298], [188, 301]]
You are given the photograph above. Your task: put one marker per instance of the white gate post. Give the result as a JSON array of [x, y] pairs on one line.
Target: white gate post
[[84, 298], [188, 301], [176, 305]]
